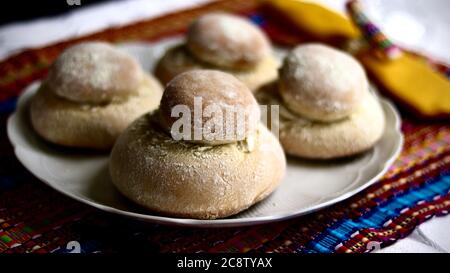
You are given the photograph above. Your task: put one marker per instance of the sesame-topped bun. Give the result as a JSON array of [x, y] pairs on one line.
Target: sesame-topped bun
[[214, 93], [228, 41], [321, 83], [92, 93], [94, 72]]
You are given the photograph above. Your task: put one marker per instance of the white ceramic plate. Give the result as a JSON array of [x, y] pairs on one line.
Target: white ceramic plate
[[308, 185]]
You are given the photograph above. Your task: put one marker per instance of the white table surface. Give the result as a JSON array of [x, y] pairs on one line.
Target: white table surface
[[423, 25]]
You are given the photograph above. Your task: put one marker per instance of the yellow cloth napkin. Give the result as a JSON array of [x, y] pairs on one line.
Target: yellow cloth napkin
[[407, 78]]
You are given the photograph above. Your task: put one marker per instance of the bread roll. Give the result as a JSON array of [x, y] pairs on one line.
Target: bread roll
[[222, 42], [216, 93], [92, 93], [181, 179], [227, 41], [307, 138], [205, 179], [322, 83], [94, 72], [95, 126]]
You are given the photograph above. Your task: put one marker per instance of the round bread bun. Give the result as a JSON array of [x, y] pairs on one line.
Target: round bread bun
[[178, 60], [227, 41], [322, 83], [94, 72], [326, 140], [97, 126], [181, 179], [211, 88]]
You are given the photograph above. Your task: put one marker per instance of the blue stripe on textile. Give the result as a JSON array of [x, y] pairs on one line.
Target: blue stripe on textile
[[257, 19], [375, 218], [9, 182], [86, 246], [8, 105]]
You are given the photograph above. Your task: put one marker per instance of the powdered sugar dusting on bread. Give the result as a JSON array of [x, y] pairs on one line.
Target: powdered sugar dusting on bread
[[227, 40], [323, 79], [178, 60], [94, 72], [228, 112], [88, 125], [232, 28], [190, 180], [306, 138]]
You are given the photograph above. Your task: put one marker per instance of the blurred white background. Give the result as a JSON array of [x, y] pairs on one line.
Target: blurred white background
[[422, 25]]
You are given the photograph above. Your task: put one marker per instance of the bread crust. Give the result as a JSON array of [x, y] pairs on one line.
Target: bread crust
[[178, 59], [97, 126], [325, 140], [321, 83], [227, 41], [94, 72], [217, 90], [182, 179]]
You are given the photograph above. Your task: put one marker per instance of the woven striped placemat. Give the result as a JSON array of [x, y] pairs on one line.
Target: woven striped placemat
[[35, 218]]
